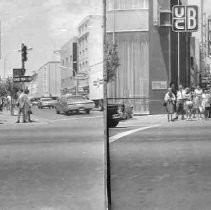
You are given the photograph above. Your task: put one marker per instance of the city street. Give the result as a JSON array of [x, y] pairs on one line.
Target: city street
[[156, 165], [54, 163]]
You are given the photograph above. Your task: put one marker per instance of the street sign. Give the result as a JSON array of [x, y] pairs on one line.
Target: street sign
[[185, 18], [23, 79], [81, 76], [18, 72]]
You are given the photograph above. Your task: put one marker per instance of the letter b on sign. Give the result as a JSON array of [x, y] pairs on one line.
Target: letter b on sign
[[185, 18]]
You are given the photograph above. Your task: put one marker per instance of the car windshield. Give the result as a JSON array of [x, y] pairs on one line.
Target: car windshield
[[75, 98]]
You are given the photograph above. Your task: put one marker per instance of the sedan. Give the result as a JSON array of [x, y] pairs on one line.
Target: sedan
[[47, 102], [68, 104]]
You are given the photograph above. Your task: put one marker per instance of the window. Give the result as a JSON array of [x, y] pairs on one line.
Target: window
[[127, 4]]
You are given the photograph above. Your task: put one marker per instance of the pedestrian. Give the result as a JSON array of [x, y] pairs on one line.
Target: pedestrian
[[198, 101], [180, 102], [21, 106], [169, 101], [174, 91], [188, 104], [9, 99], [28, 110], [206, 103]]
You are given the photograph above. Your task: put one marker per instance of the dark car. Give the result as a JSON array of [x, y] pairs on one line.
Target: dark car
[[117, 113]]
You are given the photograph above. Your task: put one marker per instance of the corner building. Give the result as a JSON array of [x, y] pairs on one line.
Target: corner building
[[148, 50]]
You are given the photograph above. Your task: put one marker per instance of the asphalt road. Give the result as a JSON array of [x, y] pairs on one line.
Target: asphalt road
[[53, 164], [167, 167]]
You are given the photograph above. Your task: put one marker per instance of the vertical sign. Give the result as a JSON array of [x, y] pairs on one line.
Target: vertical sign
[[185, 18]]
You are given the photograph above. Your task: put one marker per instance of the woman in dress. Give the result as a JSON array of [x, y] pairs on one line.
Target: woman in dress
[[188, 104], [206, 103], [198, 101], [170, 101]]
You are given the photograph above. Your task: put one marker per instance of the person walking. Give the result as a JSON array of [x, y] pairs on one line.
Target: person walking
[[198, 101], [21, 106], [180, 102], [169, 101]]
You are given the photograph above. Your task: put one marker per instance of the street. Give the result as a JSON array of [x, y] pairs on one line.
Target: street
[[157, 165], [54, 163]]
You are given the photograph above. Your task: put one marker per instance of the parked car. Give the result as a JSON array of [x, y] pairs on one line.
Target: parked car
[[47, 102], [118, 112], [69, 103], [34, 101]]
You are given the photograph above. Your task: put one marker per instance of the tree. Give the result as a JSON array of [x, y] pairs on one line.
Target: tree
[[112, 61]]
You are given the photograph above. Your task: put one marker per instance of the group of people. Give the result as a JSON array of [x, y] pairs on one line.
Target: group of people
[[24, 106], [188, 103]]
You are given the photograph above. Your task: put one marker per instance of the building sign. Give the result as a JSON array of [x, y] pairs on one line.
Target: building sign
[[185, 18], [159, 85]]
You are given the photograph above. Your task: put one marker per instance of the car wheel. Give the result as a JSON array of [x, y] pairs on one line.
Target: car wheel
[[41, 107], [57, 112], [112, 123], [88, 111]]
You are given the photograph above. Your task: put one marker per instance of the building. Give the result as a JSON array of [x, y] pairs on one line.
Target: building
[[49, 79], [33, 86], [69, 66], [194, 61], [90, 47], [148, 53]]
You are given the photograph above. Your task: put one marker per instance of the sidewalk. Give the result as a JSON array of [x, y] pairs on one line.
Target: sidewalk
[[7, 119], [144, 120]]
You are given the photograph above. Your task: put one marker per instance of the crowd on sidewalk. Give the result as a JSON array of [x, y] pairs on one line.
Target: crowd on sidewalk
[[188, 103], [22, 103]]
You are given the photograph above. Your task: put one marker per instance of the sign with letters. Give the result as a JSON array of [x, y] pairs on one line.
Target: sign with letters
[[185, 18], [159, 85]]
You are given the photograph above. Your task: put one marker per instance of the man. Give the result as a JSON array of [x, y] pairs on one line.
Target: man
[[21, 106], [180, 102]]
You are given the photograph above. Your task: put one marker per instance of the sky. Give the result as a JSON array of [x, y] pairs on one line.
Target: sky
[[44, 25]]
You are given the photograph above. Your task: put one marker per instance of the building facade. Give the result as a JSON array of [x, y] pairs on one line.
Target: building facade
[[69, 66], [90, 46], [33, 86], [49, 79], [148, 53]]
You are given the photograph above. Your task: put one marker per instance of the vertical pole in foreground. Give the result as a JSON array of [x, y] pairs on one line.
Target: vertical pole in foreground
[[106, 139], [178, 56]]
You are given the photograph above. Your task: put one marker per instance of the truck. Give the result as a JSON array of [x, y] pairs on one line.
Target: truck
[[96, 85]]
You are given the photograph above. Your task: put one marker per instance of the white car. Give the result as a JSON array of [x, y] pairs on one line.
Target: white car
[[68, 104]]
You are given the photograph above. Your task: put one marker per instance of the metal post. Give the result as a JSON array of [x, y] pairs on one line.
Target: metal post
[[106, 131], [178, 56]]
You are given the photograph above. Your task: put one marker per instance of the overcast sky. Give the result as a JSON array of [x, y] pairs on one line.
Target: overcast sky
[[44, 25]]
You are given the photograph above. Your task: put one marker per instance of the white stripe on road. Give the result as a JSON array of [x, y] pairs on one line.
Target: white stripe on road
[[126, 133]]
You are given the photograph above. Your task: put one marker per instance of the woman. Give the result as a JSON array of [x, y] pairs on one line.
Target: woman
[[188, 104], [198, 100], [169, 100], [206, 103]]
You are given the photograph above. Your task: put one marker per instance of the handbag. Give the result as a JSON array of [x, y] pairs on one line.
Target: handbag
[[164, 103]]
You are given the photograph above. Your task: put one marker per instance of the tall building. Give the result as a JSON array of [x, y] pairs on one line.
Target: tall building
[[49, 79], [90, 47], [148, 53], [69, 66], [33, 86]]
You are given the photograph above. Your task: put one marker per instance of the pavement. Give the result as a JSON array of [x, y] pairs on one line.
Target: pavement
[[160, 165], [54, 163]]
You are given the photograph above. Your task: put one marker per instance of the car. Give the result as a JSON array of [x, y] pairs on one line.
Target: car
[[117, 112], [34, 101], [72, 103], [49, 102]]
